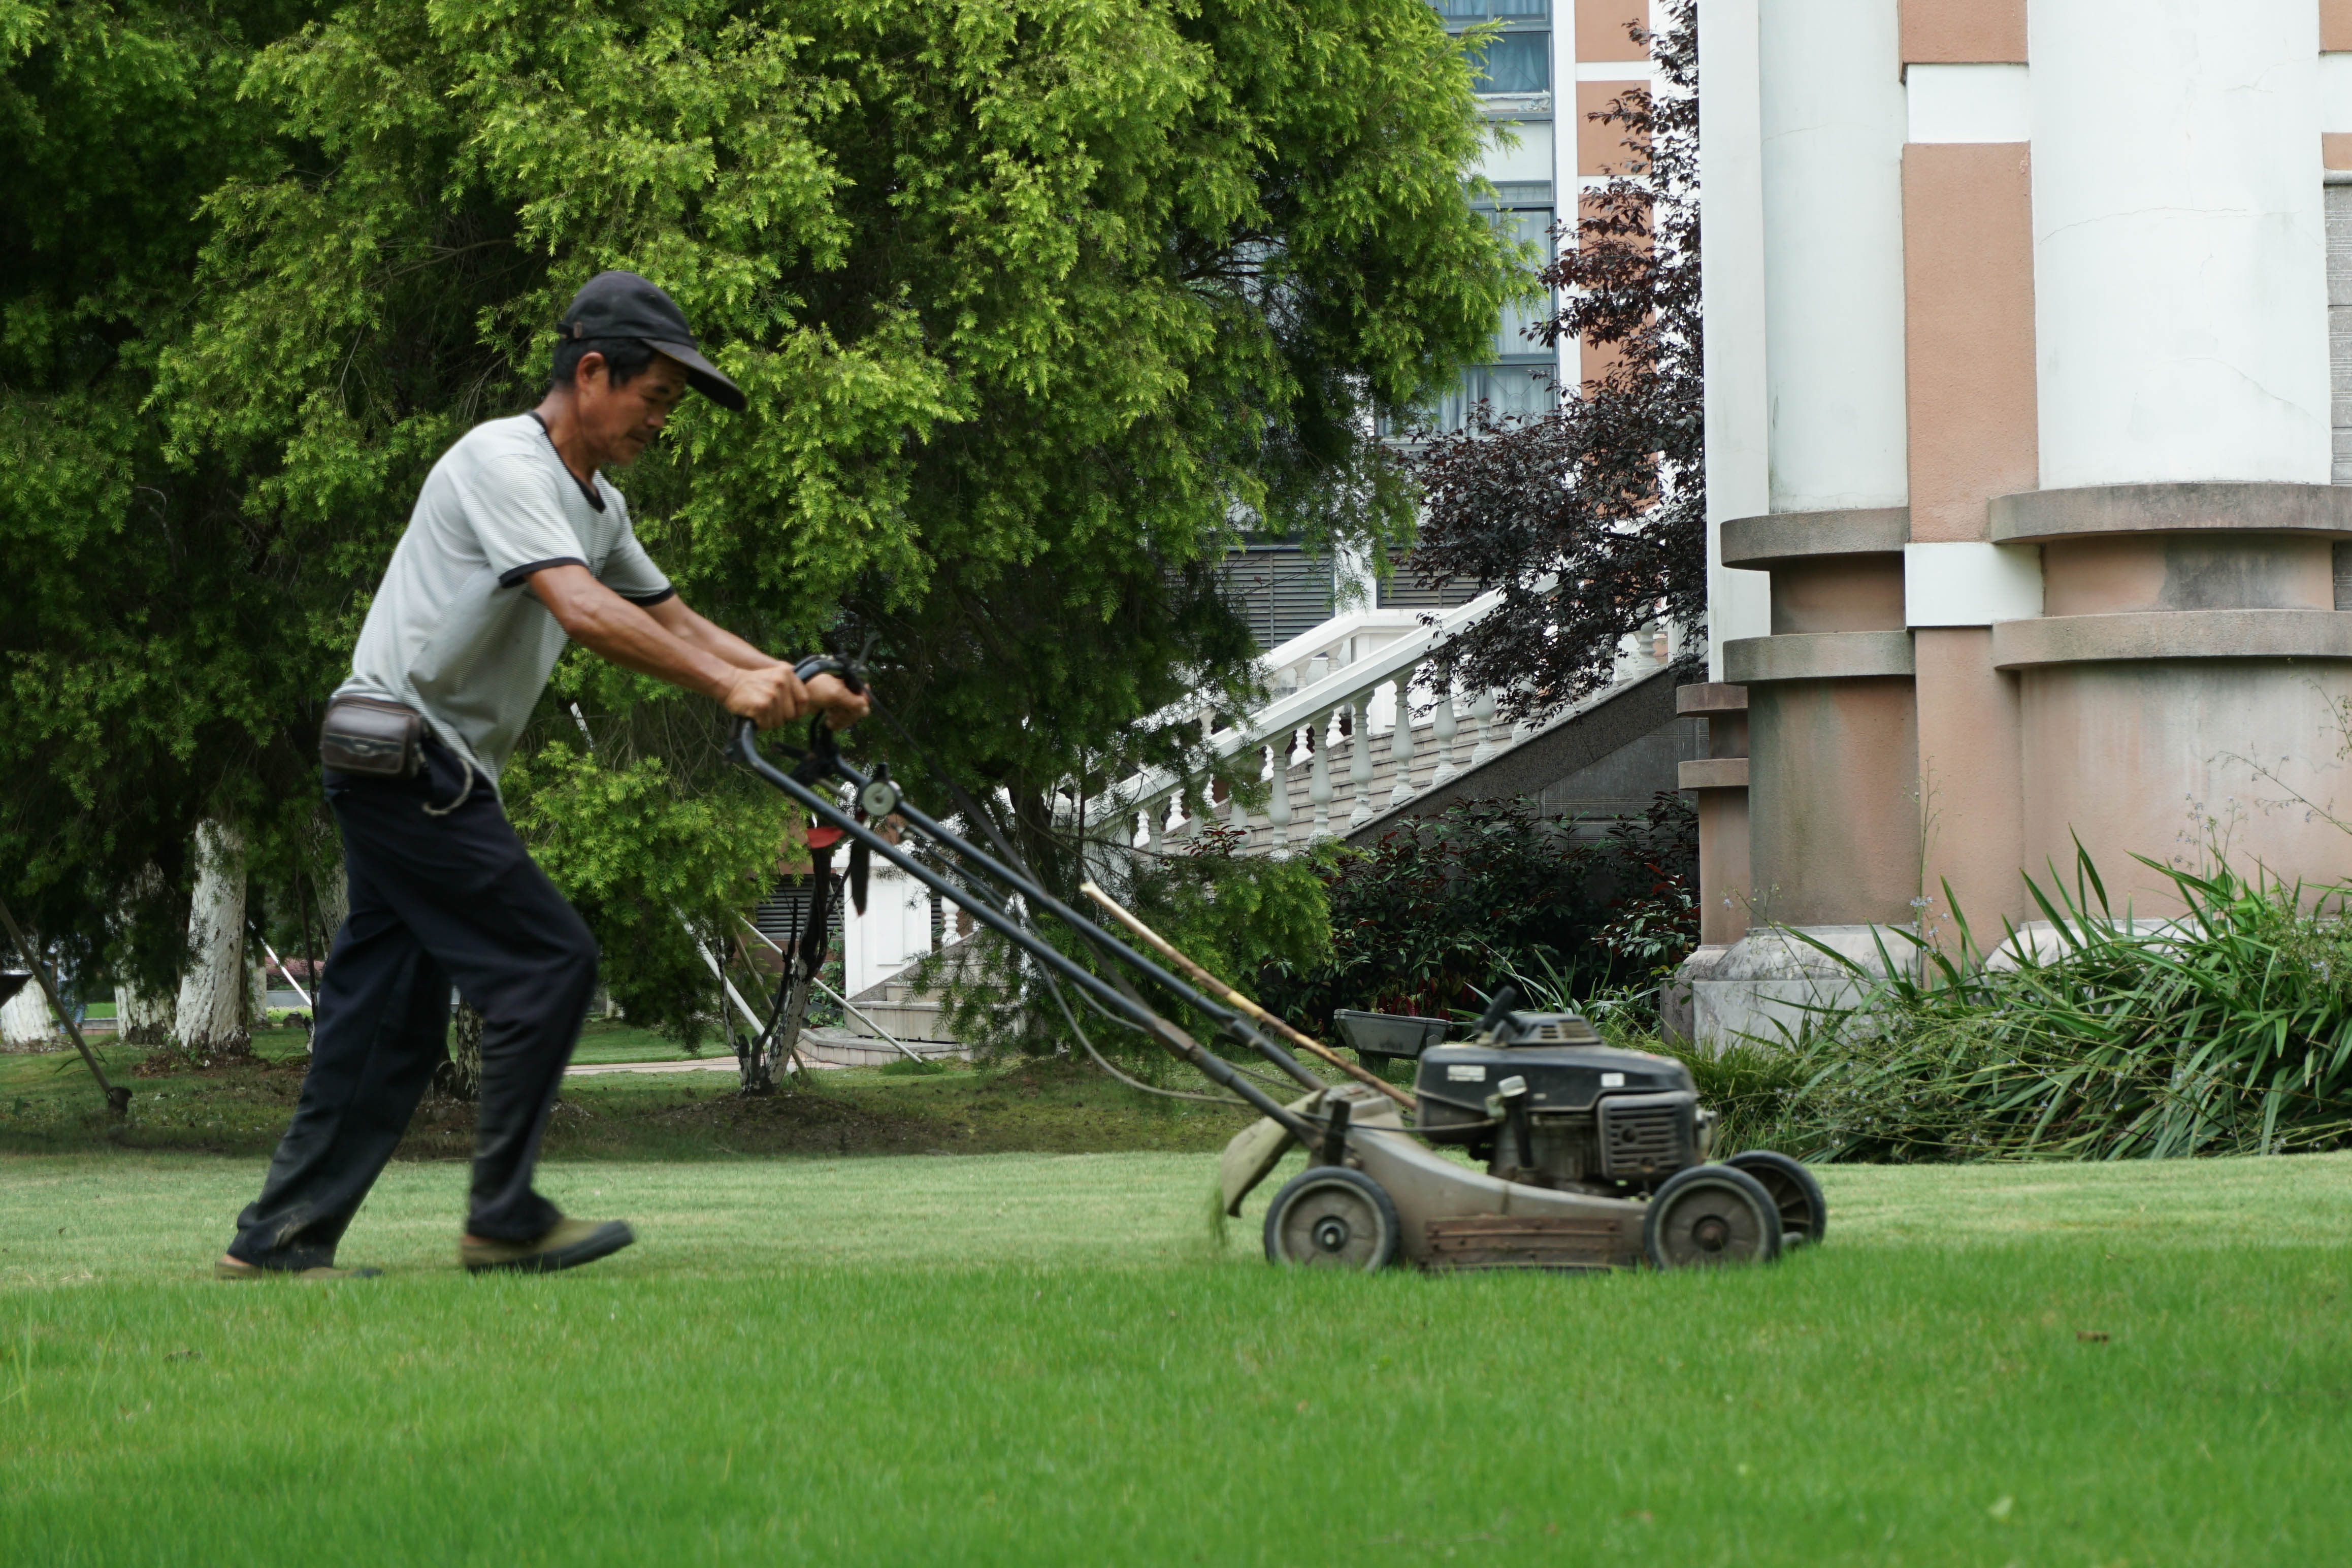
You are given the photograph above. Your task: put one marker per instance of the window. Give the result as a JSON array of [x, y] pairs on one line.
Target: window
[[1520, 59], [1515, 62], [1521, 211], [1403, 589], [1524, 391], [1279, 589], [1519, 379]]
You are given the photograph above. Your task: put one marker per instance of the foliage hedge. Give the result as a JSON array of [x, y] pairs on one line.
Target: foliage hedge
[[1438, 912]]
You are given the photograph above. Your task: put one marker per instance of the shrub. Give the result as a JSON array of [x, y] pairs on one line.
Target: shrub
[[1440, 909], [1235, 914]]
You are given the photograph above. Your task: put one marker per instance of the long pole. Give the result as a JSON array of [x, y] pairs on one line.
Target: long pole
[[1231, 1020], [118, 1096], [1200, 976], [288, 972]]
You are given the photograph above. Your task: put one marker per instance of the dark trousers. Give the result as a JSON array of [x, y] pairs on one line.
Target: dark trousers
[[434, 900]]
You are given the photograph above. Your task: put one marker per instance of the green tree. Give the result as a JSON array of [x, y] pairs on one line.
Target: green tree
[[142, 612], [1038, 304]]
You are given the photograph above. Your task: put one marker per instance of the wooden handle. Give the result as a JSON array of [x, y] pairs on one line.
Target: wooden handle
[[1202, 977]]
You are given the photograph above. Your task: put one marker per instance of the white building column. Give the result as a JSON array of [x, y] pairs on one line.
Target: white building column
[[1832, 118], [2180, 293]]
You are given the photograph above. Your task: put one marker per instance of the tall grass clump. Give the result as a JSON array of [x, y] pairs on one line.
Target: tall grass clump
[[2224, 1030]]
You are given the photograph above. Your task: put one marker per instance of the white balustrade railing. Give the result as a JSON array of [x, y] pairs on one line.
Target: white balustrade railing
[[1368, 666], [1339, 666]]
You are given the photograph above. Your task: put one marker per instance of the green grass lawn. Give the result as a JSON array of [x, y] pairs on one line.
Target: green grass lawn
[[1037, 1359]]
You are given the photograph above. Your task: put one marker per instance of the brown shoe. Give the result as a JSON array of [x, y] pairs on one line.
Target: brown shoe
[[232, 1268], [572, 1243]]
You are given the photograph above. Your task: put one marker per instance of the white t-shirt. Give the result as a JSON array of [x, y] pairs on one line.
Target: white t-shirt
[[453, 632]]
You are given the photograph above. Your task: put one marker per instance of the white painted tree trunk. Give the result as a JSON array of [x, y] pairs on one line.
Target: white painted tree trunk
[[461, 1075], [214, 1017], [141, 1017], [25, 1022]]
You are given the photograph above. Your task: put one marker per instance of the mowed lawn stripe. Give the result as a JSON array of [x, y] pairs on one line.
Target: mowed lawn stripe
[[1035, 1359]]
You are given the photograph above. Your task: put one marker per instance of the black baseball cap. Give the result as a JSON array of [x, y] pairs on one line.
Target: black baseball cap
[[624, 305]]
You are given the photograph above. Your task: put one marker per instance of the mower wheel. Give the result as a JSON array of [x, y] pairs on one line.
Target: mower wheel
[[1330, 1217], [1805, 1212], [1709, 1214]]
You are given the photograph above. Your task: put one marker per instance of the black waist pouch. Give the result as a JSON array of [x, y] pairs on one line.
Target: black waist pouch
[[369, 735]]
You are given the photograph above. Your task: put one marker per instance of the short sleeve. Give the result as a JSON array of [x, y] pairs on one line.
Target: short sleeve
[[631, 573], [510, 501]]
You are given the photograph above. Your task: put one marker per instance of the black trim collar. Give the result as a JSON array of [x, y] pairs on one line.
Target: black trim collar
[[587, 487]]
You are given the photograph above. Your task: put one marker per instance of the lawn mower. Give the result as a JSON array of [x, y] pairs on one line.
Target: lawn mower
[[1595, 1157]]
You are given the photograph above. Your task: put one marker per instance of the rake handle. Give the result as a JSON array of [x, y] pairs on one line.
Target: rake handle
[[1226, 993]]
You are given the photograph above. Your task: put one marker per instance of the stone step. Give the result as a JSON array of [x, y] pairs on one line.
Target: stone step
[[838, 1048], [910, 1021]]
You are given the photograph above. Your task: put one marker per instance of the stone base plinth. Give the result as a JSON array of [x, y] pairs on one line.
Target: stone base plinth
[[1764, 988]]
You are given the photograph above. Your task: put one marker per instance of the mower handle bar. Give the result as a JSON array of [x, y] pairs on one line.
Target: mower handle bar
[[1174, 1039]]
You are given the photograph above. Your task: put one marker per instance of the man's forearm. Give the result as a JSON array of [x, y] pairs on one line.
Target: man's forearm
[[681, 622], [613, 628], [670, 642]]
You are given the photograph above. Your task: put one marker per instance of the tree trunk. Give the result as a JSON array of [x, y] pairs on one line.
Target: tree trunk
[[461, 1075], [214, 1017], [334, 897], [26, 1023], [141, 1017]]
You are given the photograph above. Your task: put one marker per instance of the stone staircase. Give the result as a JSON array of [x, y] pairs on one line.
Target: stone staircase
[[907, 1011], [1334, 760], [849, 1048]]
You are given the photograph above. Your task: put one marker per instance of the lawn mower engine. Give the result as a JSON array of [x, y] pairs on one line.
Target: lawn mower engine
[[1543, 1102]]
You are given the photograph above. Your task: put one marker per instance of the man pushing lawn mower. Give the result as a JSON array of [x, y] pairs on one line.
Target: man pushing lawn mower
[[517, 543]]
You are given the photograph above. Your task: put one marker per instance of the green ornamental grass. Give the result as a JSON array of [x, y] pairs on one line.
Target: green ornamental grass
[[2225, 1029]]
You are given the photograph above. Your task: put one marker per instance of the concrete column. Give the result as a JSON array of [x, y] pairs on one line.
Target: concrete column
[[1832, 772], [1401, 747], [1359, 759], [2181, 694], [1482, 711], [1720, 781], [1731, 197], [1278, 799], [1832, 768], [1319, 773], [2180, 299], [1831, 112], [2174, 695], [1444, 727]]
